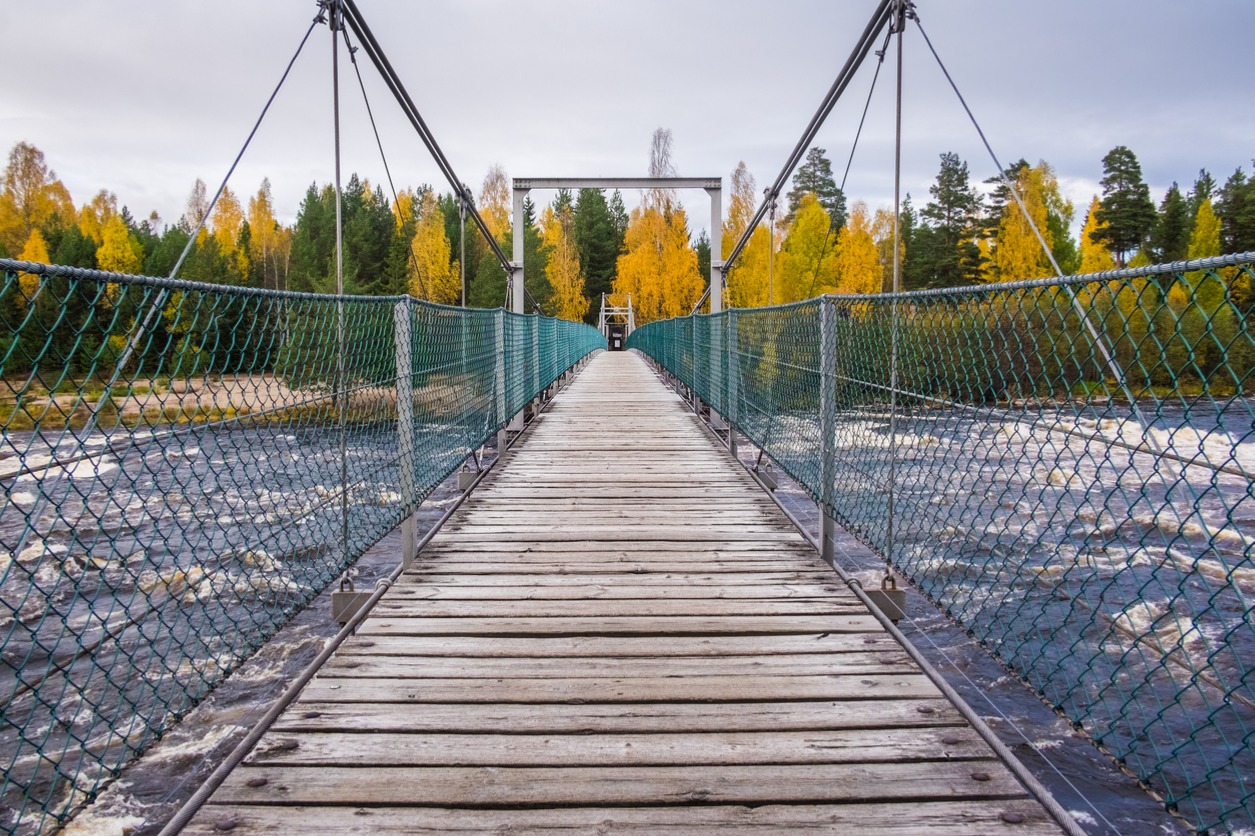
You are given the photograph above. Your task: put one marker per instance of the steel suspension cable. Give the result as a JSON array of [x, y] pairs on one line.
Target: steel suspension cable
[[370, 113], [880, 55], [359, 26], [880, 18], [223, 185]]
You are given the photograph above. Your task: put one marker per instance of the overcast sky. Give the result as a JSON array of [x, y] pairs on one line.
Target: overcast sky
[[143, 96]]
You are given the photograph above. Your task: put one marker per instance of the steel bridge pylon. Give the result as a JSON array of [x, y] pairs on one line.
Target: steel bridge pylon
[[616, 322]]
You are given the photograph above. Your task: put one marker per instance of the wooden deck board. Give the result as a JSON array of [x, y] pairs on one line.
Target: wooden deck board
[[618, 632]]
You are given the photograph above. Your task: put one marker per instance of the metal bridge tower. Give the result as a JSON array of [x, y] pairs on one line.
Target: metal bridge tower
[[615, 323]]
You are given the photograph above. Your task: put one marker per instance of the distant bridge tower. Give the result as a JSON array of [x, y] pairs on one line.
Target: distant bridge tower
[[615, 323]]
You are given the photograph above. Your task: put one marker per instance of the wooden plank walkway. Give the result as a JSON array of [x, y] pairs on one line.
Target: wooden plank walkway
[[618, 633]]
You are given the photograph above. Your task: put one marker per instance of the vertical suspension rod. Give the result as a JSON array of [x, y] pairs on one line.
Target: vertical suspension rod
[[334, 23], [899, 24]]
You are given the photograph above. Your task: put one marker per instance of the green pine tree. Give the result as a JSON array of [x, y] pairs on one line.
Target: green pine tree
[[1170, 240], [598, 240], [814, 176], [1236, 208], [1126, 207], [947, 254], [1204, 189]]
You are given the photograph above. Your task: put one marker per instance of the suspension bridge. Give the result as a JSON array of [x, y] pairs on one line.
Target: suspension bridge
[[618, 626]]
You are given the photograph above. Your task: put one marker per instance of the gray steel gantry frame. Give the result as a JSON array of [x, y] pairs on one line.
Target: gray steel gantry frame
[[713, 186]]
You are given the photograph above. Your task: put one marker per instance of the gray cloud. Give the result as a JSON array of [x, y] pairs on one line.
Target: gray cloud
[[143, 97]]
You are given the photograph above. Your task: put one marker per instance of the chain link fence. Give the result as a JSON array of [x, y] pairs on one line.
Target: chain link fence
[[1063, 466], [186, 466]]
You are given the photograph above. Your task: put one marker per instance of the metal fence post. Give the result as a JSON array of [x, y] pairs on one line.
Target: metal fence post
[[499, 383], [827, 426], [731, 368], [535, 363], [401, 320]]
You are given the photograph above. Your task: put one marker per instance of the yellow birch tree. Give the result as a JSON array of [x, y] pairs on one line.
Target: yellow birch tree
[[1017, 254], [858, 259], [270, 243], [659, 268], [36, 250], [228, 221], [93, 215], [31, 197], [747, 280], [563, 267], [494, 202], [882, 234], [808, 256], [431, 275], [1095, 257], [118, 251]]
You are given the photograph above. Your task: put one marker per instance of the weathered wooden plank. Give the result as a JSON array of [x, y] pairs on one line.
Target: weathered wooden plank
[[936, 818], [847, 746], [539, 564], [658, 785], [620, 626], [613, 608], [615, 647], [512, 588], [624, 690], [662, 583], [588, 718], [882, 663], [796, 548], [559, 532]]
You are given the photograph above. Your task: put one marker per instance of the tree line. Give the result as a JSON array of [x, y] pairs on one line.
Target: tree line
[[586, 243]]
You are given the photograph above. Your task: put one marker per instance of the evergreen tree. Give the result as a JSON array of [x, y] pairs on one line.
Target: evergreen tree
[[909, 232], [702, 247], [814, 176], [948, 255], [1204, 189], [487, 290], [1126, 208], [74, 249], [475, 246], [1000, 197], [368, 230], [313, 242], [160, 260], [535, 260], [598, 241], [620, 216], [1236, 209], [1171, 238]]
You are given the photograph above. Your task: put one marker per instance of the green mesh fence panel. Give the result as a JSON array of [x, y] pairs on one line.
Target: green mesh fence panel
[[181, 463], [1069, 468]]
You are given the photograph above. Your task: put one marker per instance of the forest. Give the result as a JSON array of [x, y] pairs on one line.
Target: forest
[[587, 243]]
